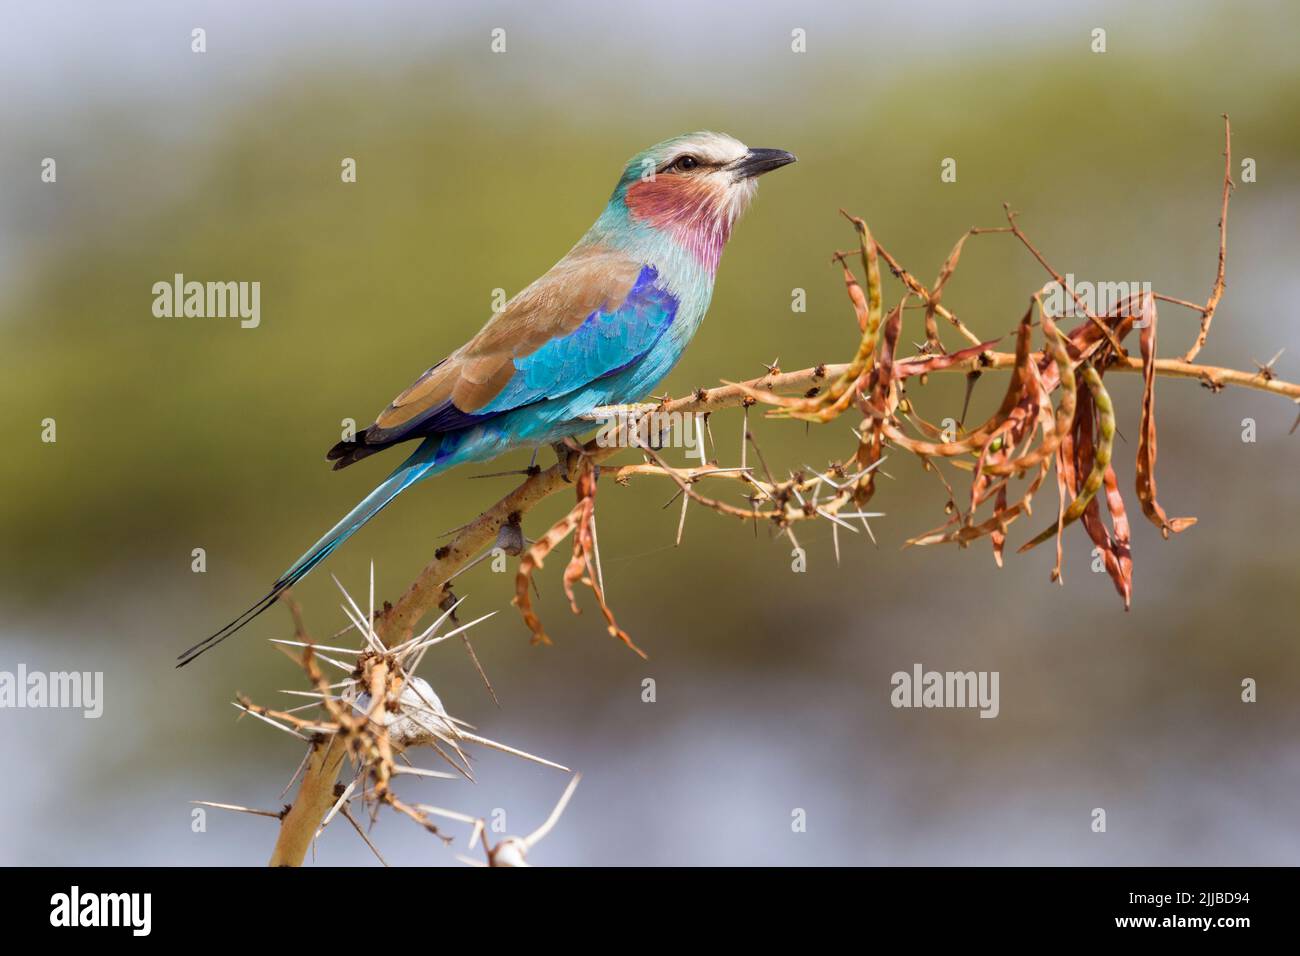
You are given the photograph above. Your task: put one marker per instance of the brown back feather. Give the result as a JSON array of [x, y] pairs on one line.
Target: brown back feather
[[587, 279]]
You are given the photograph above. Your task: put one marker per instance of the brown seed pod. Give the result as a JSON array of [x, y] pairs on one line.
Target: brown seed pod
[[1100, 459], [839, 394], [1055, 343], [579, 568], [1115, 543], [975, 440], [1146, 456]]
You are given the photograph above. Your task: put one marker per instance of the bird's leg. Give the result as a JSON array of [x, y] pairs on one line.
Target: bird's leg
[[627, 417], [567, 456], [628, 420], [609, 411]]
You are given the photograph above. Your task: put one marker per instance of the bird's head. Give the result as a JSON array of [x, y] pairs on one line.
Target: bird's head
[[695, 187]]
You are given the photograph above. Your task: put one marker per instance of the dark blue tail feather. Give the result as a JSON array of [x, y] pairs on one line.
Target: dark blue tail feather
[[419, 465]]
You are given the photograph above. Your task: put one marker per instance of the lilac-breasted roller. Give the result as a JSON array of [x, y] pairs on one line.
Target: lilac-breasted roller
[[602, 327]]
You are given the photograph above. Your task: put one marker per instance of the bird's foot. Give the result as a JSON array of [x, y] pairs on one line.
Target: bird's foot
[[635, 423], [632, 410], [567, 455]]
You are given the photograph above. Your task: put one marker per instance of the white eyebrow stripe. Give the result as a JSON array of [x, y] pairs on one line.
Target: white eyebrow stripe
[[715, 150], [703, 161]]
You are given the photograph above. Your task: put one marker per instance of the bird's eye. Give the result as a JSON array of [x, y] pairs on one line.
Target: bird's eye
[[686, 163]]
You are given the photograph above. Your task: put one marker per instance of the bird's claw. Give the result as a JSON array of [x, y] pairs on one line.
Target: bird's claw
[[567, 457]]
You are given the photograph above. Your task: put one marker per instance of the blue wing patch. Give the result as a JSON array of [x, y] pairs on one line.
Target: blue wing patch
[[604, 344]]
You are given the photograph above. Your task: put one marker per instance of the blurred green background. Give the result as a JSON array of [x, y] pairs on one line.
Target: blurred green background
[[477, 171]]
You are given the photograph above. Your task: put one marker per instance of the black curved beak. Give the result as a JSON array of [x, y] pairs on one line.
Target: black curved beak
[[759, 161]]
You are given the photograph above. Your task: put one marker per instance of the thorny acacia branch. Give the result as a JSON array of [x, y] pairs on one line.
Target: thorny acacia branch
[[372, 719], [829, 390], [1030, 435]]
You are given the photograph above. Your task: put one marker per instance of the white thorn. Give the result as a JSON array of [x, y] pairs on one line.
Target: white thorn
[[343, 798], [405, 645], [421, 772], [316, 647], [595, 546], [449, 814], [237, 809], [276, 724], [537, 835], [484, 742], [366, 628]]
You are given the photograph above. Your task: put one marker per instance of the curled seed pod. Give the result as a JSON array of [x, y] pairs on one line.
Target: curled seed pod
[[932, 303], [531, 561], [1100, 458], [998, 535], [1016, 389], [921, 364], [882, 377], [1146, 456], [870, 266], [579, 520], [1065, 411], [1003, 515], [994, 450], [580, 568], [839, 394], [1033, 412], [1114, 544], [857, 298], [1067, 473], [999, 521]]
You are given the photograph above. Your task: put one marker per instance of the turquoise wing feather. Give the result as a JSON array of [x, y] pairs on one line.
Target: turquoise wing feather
[[605, 343]]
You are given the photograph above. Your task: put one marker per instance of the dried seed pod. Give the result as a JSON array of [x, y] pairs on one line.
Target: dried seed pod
[[922, 364], [1055, 342], [1146, 456], [967, 533], [857, 298], [975, 440], [932, 303], [1100, 458], [1114, 544], [580, 519], [839, 394]]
